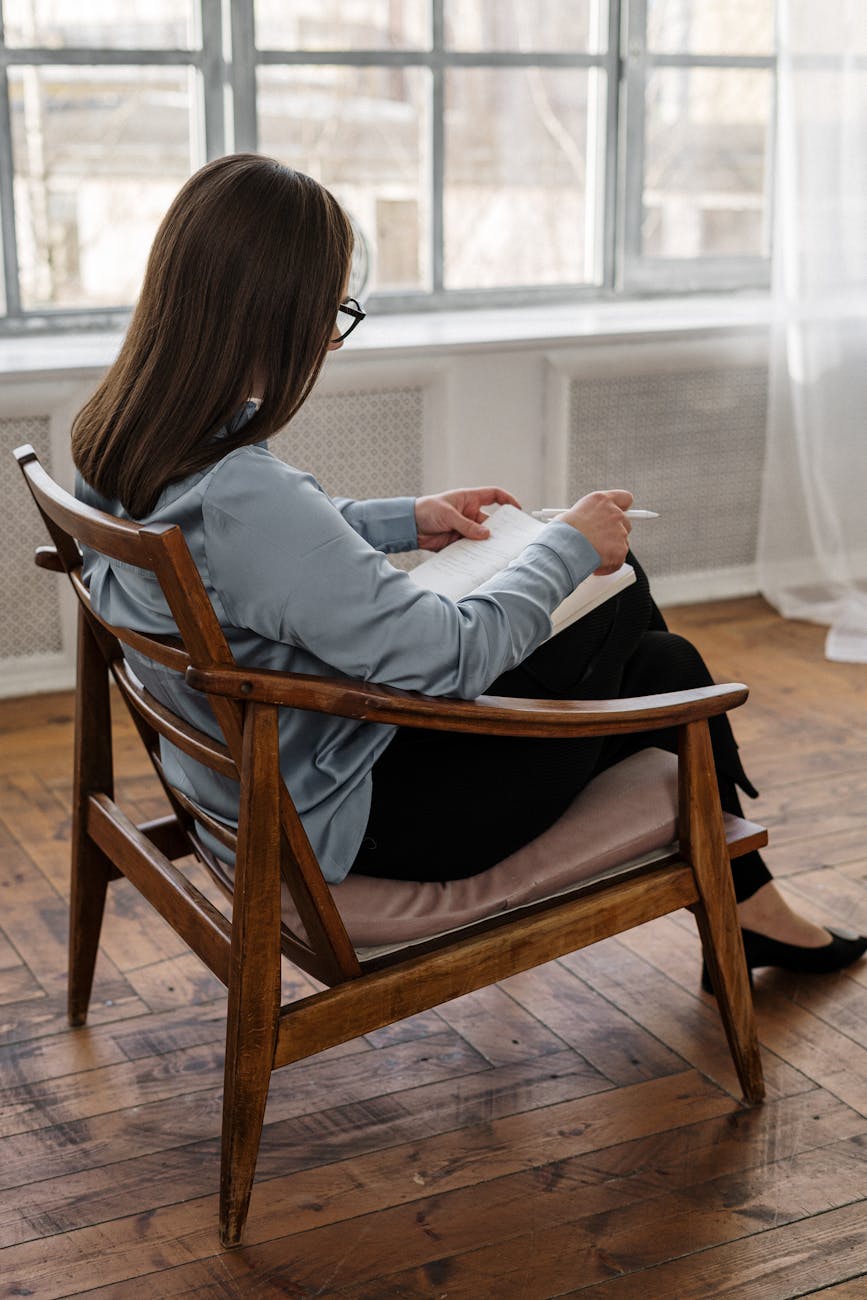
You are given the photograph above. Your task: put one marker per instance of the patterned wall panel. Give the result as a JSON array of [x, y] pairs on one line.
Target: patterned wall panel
[[360, 444], [689, 444], [30, 623]]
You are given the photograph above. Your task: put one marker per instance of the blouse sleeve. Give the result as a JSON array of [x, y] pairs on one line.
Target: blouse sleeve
[[288, 565], [386, 523]]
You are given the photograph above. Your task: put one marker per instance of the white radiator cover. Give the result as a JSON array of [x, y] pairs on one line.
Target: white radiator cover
[[681, 423], [359, 443], [30, 621], [685, 443]]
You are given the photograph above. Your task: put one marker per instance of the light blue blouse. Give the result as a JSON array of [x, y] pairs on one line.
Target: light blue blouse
[[300, 583]]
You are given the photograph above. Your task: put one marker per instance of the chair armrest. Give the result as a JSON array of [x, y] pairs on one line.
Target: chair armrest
[[489, 714], [46, 557]]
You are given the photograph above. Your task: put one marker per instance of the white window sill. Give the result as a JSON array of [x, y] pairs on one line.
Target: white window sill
[[425, 333], [554, 326]]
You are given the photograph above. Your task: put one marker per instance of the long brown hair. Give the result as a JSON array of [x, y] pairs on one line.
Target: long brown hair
[[241, 288]]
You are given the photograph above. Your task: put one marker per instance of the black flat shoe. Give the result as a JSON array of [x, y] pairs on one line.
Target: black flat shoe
[[762, 951]]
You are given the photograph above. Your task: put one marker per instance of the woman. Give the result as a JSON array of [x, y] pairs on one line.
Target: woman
[[243, 297]]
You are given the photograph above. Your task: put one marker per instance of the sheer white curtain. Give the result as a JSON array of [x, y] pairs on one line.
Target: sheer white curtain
[[813, 526]]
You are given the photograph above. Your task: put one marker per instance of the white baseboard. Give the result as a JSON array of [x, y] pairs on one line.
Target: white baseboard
[[795, 575], [706, 584], [36, 675]]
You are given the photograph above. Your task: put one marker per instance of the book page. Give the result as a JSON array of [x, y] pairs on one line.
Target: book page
[[589, 594], [465, 565]]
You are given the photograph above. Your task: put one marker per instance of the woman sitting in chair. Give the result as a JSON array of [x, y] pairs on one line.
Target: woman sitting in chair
[[244, 295]]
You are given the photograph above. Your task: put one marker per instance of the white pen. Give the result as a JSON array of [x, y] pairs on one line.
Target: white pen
[[552, 512]]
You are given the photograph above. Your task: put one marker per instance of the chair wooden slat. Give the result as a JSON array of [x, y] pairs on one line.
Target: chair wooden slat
[[187, 910], [223, 834], [167, 651], [201, 747], [166, 834]]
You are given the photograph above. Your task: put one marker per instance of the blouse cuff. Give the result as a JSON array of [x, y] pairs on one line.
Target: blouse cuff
[[580, 556], [387, 524]]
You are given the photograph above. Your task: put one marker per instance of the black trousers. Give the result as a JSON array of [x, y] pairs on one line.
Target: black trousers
[[448, 805]]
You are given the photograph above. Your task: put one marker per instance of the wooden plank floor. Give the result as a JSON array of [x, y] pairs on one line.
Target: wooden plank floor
[[573, 1131]]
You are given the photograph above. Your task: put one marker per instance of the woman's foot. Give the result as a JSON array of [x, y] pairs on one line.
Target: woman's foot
[[775, 935], [767, 912]]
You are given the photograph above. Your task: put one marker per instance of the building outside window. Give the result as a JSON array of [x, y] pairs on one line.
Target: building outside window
[[489, 151]]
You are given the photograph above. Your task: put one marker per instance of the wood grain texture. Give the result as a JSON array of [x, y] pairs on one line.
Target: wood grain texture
[[93, 770], [701, 831], [574, 1130], [254, 978], [490, 714]]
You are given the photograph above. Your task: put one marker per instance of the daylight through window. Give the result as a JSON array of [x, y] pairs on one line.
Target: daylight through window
[[489, 151]]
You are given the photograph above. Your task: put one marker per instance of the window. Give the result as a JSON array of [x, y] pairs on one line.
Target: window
[[101, 120], [488, 150], [699, 92]]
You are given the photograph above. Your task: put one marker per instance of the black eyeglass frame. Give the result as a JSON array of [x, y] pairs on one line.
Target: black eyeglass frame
[[357, 317]]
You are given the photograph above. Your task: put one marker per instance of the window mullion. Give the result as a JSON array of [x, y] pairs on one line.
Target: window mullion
[[632, 136], [609, 197], [770, 195], [213, 78], [7, 202], [243, 76], [437, 145]]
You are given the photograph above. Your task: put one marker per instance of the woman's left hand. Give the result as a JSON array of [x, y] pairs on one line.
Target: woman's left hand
[[444, 518]]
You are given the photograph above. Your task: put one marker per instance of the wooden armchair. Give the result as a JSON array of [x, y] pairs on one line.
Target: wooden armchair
[[380, 949]]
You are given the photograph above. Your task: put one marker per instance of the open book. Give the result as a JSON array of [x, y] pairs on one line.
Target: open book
[[465, 565]]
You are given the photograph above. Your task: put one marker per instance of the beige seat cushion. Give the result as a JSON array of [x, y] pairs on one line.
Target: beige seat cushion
[[623, 814]]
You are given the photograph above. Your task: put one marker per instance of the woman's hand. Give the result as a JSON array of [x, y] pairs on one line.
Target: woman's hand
[[599, 516], [444, 518]]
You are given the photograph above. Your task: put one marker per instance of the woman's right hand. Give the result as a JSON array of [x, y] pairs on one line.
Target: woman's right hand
[[600, 517]]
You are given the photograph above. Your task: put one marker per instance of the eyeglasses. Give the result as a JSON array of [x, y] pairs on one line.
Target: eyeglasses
[[349, 308]]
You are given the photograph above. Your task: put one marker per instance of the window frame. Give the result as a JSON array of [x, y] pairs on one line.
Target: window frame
[[223, 111], [640, 273], [438, 59], [207, 140]]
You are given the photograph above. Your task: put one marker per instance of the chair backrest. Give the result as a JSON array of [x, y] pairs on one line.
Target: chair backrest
[[326, 952]]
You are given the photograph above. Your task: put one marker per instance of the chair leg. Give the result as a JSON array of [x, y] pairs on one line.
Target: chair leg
[[254, 974], [703, 840], [93, 773], [90, 879], [730, 979], [250, 1038]]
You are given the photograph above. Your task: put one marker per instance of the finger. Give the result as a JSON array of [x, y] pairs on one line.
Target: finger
[[465, 527], [489, 495], [621, 497]]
